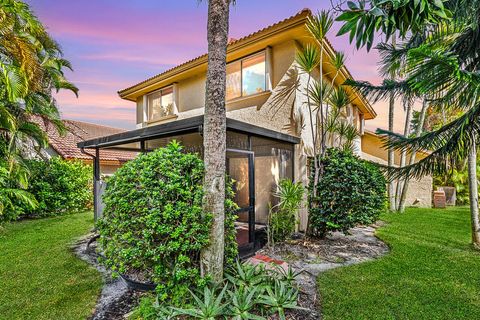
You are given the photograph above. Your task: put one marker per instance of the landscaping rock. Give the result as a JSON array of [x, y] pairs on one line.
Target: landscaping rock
[[116, 299], [310, 258]]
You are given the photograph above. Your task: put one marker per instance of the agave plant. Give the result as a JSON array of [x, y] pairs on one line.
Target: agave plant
[[242, 301], [247, 275], [279, 298], [287, 276], [209, 306]]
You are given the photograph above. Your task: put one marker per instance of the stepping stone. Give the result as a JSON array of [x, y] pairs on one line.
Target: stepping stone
[[268, 262]]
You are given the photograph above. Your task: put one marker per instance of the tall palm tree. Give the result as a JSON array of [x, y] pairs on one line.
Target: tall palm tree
[[214, 136], [443, 65]]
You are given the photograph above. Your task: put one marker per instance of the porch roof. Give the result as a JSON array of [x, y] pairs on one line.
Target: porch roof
[[189, 125]]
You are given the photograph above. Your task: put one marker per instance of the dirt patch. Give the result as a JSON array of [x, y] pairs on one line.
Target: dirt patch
[[116, 299], [310, 258]]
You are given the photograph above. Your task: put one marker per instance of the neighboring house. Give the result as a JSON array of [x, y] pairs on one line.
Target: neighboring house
[[265, 139], [419, 190], [66, 147]]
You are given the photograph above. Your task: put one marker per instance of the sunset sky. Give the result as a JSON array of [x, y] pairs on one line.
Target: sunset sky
[[114, 44]]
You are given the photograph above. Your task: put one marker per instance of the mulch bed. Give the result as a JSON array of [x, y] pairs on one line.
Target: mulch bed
[[311, 257]]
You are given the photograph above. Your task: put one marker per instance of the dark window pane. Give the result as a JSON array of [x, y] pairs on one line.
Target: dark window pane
[[237, 140], [273, 162], [191, 142]]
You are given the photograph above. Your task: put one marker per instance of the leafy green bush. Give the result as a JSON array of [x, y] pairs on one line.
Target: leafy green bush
[[283, 216], [153, 224], [60, 186], [54, 187], [350, 191]]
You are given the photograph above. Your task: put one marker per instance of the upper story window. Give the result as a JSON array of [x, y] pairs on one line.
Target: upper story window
[[160, 104], [246, 76]]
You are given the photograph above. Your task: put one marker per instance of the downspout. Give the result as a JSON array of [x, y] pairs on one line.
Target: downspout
[[95, 180]]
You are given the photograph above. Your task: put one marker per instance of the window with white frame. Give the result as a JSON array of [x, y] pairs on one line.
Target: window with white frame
[[246, 76], [160, 104]]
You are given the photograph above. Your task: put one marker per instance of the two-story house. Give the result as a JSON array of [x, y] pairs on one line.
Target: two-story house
[[265, 140]]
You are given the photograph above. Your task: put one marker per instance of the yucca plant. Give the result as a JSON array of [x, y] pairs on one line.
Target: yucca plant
[[282, 217]]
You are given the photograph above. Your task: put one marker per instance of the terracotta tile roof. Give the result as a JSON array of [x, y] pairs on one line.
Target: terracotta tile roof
[[231, 42], [66, 146]]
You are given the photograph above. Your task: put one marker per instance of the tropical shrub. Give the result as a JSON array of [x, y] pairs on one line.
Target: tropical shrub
[[351, 191], [283, 216], [153, 224], [12, 195], [54, 187], [59, 186]]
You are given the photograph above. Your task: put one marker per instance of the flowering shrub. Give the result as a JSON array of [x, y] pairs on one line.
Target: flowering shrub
[[153, 224], [351, 191]]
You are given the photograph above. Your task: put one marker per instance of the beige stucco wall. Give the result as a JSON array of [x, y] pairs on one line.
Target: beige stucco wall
[[419, 190], [272, 110]]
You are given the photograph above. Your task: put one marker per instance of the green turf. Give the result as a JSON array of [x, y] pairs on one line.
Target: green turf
[[432, 272], [40, 278]]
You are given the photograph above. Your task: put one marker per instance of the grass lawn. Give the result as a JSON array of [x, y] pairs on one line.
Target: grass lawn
[[40, 278], [432, 272]]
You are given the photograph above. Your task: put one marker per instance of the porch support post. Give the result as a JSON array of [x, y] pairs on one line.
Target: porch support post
[[251, 211]]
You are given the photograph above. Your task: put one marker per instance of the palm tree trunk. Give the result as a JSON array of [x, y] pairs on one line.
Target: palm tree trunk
[[418, 132], [391, 152], [403, 156], [214, 137], [473, 190]]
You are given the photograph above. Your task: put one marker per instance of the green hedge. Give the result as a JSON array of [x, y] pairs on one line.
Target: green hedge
[[60, 186], [351, 191], [153, 224]]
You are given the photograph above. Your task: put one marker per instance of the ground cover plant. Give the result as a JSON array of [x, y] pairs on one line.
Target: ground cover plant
[[154, 228], [40, 276], [430, 273], [352, 191]]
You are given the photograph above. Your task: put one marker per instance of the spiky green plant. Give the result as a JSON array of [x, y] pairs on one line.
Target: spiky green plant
[[207, 306], [280, 298]]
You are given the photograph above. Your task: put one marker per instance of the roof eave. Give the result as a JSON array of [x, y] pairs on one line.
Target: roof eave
[[292, 22]]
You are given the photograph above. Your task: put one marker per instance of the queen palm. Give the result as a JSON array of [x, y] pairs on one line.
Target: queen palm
[[214, 137]]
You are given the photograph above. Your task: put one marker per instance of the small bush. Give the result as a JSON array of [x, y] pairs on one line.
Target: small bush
[[59, 186], [283, 216], [153, 224], [351, 191]]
